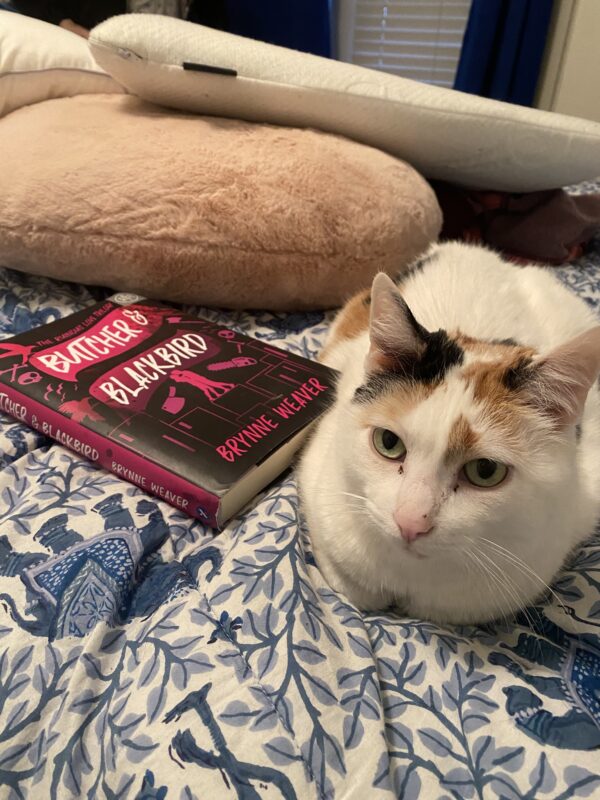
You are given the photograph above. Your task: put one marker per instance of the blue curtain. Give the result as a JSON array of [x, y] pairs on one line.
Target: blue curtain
[[298, 24], [503, 48]]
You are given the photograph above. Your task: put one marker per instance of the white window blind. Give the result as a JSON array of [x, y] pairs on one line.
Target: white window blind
[[419, 40]]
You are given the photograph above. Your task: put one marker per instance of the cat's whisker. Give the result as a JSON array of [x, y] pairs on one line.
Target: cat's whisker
[[472, 570], [486, 572], [335, 515], [346, 503], [514, 592], [510, 590], [343, 502], [499, 613], [351, 494], [468, 564], [524, 610], [347, 509], [524, 573], [524, 567]]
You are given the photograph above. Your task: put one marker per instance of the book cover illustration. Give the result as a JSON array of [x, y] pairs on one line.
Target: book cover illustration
[[149, 393]]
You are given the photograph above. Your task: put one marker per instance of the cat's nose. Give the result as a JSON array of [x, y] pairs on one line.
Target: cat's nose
[[412, 529], [410, 534]]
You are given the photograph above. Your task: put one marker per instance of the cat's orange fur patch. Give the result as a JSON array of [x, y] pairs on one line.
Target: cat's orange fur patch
[[352, 320], [505, 353], [461, 440], [508, 354], [487, 378]]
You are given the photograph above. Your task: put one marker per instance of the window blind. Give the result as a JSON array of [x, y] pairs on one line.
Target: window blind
[[419, 40]]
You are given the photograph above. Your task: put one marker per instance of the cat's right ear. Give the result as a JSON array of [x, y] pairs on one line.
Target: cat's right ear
[[396, 336]]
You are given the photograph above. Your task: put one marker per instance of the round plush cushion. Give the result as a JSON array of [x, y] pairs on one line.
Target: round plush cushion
[[109, 190]]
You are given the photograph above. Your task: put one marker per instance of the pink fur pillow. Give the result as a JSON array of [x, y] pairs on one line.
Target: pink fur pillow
[[109, 190]]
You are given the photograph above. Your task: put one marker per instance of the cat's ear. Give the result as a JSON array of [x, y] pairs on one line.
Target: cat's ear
[[563, 377], [396, 337]]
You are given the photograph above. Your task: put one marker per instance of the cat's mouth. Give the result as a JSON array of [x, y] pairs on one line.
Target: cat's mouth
[[410, 550]]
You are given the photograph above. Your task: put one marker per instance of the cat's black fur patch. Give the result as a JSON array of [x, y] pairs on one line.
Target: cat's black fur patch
[[515, 377], [505, 342], [375, 386], [578, 432], [441, 353], [435, 354]]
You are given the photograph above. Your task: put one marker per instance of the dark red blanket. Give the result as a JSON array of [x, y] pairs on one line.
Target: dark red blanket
[[552, 226]]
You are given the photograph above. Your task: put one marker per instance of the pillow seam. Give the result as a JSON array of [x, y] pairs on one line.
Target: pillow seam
[[100, 74]]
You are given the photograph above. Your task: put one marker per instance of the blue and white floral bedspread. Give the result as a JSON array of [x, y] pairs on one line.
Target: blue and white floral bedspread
[[141, 656]]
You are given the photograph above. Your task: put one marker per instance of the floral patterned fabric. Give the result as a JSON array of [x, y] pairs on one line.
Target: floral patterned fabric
[[143, 656]]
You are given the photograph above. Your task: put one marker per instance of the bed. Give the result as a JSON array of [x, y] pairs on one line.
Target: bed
[[143, 656]]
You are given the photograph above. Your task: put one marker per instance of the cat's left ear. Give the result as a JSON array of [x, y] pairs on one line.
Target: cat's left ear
[[396, 336], [564, 377]]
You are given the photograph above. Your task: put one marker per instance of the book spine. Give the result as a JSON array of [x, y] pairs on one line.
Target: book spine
[[114, 457]]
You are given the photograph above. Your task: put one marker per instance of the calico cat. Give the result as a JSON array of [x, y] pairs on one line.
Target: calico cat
[[460, 462]]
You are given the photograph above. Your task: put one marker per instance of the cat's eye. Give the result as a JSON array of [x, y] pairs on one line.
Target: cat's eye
[[485, 473], [388, 444]]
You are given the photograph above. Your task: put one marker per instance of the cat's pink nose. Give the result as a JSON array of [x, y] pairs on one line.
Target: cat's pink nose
[[412, 529], [410, 534]]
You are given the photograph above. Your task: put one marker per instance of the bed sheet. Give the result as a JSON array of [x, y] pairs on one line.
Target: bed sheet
[[142, 656]]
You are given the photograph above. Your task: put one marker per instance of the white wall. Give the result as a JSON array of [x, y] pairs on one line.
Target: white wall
[[570, 78]]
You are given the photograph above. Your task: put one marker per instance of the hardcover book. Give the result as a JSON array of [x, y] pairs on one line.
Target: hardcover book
[[194, 413]]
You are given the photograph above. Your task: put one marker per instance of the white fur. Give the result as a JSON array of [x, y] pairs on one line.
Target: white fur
[[547, 506]]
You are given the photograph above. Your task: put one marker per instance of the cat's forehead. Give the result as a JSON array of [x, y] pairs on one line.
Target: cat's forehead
[[479, 393], [495, 371], [487, 370], [443, 413], [504, 354]]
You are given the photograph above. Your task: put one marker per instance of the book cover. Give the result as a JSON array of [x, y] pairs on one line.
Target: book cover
[[192, 412]]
